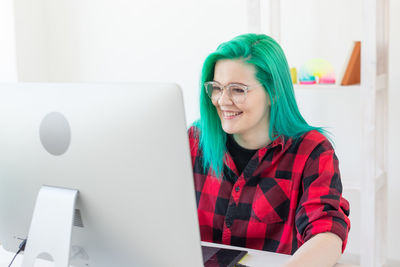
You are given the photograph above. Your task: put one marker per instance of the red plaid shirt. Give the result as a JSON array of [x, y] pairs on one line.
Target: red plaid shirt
[[288, 192]]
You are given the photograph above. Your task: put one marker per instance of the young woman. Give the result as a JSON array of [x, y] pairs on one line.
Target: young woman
[[264, 178]]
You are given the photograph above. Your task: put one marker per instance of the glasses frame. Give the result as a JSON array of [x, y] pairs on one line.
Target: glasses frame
[[245, 87]]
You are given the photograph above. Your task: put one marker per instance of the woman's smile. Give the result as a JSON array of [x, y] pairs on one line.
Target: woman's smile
[[229, 115]]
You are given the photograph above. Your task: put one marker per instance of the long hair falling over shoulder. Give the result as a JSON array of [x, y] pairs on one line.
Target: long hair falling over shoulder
[[272, 71]]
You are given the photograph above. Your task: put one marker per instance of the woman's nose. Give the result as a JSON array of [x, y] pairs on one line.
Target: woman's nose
[[225, 99]]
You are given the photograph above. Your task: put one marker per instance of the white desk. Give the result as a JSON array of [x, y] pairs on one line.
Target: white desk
[[259, 258], [255, 258]]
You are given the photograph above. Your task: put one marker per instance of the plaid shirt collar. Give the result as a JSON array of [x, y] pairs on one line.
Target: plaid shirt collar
[[279, 143]]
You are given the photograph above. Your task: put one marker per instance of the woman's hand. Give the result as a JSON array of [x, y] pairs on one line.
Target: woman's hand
[[321, 250]]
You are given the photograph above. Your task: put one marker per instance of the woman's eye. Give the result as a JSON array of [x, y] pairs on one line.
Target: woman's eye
[[216, 88], [237, 90]]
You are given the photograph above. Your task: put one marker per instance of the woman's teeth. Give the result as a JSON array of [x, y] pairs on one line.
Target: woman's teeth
[[231, 114]]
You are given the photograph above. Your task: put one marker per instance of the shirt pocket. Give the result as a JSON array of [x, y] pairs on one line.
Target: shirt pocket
[[271, 202]]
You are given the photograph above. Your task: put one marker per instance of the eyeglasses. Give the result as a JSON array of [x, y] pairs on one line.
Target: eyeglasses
[[237, 92]]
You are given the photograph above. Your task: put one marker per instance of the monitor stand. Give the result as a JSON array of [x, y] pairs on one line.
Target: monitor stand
[[51, 226]]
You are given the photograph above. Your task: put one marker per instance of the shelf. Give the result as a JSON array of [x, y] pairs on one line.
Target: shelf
[[354, 113], [351, 186], [379, 182], [381, 82], [326, 87]]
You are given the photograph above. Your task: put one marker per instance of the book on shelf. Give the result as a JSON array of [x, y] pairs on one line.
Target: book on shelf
[[352, 73]]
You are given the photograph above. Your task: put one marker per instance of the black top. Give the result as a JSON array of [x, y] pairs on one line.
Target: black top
[[240, 155]]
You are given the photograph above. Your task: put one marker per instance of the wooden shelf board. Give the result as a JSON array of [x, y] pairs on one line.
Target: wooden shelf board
[[380, 180], [351, 185], [382, 82], [326, 87], [354, 185]]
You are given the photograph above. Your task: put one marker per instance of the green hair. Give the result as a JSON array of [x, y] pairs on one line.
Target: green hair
[[272, 71]]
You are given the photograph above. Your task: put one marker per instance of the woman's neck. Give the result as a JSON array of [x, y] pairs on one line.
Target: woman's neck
[[253, 141]]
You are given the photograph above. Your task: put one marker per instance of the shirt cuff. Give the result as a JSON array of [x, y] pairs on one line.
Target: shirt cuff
[[333, 225]]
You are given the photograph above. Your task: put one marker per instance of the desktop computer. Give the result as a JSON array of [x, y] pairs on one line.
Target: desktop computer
[[98, 172]]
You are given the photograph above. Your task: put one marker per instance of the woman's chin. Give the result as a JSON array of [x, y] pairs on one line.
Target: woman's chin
[[229, 129]]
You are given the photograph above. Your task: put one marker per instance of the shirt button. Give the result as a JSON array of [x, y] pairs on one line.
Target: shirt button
[[228, 222], [237, 189]]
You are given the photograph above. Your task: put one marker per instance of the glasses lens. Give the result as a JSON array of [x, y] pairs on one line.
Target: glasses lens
[[238, 93], [214, 91]]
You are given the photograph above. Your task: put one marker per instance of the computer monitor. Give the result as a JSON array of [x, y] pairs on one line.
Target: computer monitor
[[124, 147]]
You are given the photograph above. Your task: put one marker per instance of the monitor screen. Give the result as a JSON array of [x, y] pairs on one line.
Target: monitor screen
[[123, 147]]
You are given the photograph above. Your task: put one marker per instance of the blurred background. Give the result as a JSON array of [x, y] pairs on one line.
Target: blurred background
[[167, 41]]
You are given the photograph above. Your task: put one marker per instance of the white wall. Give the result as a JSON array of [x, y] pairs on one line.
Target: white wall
[[123, 40], [156, 40], [394, 130], [31, 40], [8, 69]]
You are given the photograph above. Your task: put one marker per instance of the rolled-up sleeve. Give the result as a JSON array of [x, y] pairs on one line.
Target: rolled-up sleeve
[[322, 207]]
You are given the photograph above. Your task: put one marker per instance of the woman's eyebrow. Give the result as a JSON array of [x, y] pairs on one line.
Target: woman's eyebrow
[[231, 83], [238, 83]]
